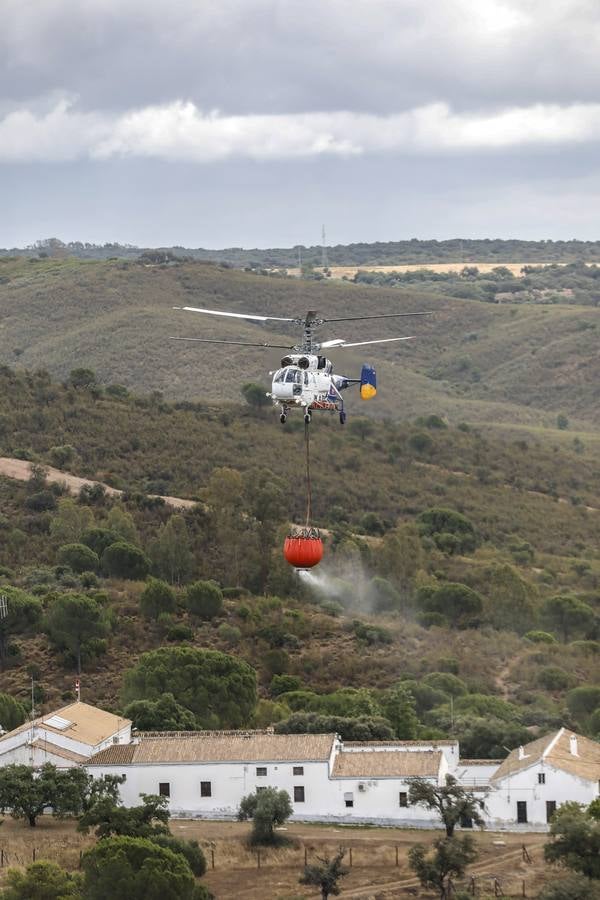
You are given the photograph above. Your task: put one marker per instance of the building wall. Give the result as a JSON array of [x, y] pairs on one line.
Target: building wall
[[21, 755], [15, 748], [325, 798], [559, 787]]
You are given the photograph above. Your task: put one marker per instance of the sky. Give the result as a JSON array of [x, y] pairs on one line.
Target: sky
[[220, 123]]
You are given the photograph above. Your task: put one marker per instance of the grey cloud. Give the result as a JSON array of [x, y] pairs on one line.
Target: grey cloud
[[285, 56]]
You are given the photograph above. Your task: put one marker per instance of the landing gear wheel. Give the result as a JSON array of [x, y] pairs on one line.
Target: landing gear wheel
[[342, 418], [307, 418], [282, 418]]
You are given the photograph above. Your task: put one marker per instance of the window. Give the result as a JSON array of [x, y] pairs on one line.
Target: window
[[521, 812], [164, 789], [298, 770], [541, 778], [298, 794], [403, 798], [550, 809], [205, 789], [124, 776], [349, 803], [261, 771]]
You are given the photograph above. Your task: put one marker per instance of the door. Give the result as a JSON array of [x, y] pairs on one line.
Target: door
[[521, 812], [550, 809]]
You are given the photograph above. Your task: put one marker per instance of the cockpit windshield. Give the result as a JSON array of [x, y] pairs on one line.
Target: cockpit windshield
[[293, 375]]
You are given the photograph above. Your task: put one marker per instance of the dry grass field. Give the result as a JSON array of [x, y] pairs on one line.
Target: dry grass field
[[484, 267], [378, 857]]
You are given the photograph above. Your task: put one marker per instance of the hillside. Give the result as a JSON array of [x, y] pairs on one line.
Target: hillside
[[509, 364], [533, 511]]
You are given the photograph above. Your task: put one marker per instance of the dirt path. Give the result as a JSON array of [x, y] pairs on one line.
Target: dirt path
[[21, 470]]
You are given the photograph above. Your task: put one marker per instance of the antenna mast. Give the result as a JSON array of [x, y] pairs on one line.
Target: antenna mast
[[324, 260]]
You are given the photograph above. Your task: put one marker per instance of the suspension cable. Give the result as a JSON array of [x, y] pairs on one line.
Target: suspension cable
[[308, 482]]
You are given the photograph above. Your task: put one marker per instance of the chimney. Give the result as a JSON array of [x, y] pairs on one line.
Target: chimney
[[521, 752], [573, 745]]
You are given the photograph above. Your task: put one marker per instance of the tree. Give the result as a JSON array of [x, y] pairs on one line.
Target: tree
[[575, 840], [12, 713], [123, 560], [573, 887], [23, 613], [438, 522], [98, 539], [219, 689], [110, 818], [74, 619], [267, 809], [27, 793], [164, 714], [562, 422], [361, 728], [457, 602], [189, 849], [255, 395], [77, 791], [130, 868], [78, 557], [171, 551], [157, 597], [510, 600], [70, 522], [327, 874], [204, 599], [401, 555], [121, 522], [583, 701], [42, 881], [448, 859], [398, 707], [567, 614], [451, 802]]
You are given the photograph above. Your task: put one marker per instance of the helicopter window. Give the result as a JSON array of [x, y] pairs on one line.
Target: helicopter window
[[306, 378], [280, 376], [293, 375]]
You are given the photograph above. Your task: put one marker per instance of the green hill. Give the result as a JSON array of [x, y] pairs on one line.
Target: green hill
[[524, 528], [510, 364]]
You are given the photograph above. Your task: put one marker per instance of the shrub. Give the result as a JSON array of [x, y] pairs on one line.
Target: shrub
[[432, 620], [42, 501], [157, 597], [231, 634], [12, 713], [123, 560], [180, 632], [204, 599], [281, 684], [78, 557], [540, 637], [553, 678], [61, 456]]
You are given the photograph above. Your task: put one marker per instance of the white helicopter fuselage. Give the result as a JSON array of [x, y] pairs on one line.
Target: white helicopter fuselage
[[307, 380]]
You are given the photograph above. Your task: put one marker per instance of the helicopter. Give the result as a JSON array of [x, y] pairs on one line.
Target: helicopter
[[306, 378]]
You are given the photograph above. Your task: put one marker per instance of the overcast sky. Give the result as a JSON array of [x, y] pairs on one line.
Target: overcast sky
[[251, 122]]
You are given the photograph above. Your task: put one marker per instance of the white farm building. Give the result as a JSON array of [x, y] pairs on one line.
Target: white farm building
[[206, 774]]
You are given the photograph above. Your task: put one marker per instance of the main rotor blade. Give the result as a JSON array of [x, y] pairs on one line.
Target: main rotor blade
[[379, 316], [380, 341], [232, 315], [237, 343]]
